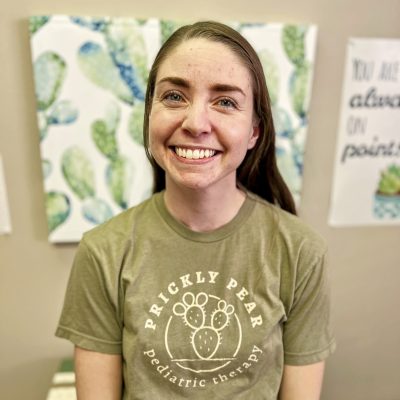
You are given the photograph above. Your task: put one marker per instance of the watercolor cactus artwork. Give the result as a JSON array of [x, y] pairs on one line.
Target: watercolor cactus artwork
[[387, 196], [90, 81]]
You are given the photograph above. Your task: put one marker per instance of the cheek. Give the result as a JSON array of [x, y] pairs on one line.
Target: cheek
[[161, 124], [155, 133]]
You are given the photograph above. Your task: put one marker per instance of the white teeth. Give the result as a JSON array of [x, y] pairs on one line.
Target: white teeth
[[194, 154]]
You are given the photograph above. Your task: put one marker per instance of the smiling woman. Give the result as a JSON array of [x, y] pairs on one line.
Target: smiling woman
[[212, 288], [201, 109]]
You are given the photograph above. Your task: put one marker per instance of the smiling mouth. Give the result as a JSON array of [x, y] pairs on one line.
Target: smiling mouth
[[194, 154]]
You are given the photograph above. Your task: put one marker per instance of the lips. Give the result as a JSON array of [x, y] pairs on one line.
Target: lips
[[194, 154]]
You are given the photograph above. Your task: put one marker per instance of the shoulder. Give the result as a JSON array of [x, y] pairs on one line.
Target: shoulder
[[118, 230], [289, 231]]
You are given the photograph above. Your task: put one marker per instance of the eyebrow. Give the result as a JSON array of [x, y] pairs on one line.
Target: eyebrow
[[217, 87], [175, 81]]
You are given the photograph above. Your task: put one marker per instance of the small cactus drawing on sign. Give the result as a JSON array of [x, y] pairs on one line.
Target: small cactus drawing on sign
[[387, 195]]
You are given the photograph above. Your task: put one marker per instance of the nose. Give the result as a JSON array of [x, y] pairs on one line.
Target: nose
[[197, 119]]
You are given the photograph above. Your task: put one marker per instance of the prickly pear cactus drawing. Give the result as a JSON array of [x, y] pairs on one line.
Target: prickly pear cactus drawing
[[49, 72], [58, 208], [79, 174], [36, 22], [291, 135], [206, 336], [289, 82], [121, 65], [387, 196]]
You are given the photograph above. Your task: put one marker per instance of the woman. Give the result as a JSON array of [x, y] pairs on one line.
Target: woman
[[211, 289]]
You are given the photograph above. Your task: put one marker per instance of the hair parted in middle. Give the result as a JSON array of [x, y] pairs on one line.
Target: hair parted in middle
[[258, 172]]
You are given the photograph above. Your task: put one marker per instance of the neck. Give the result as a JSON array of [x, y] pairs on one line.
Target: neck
[[203, 210]]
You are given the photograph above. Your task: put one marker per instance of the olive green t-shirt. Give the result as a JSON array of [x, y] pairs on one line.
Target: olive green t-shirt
[[195, 315]]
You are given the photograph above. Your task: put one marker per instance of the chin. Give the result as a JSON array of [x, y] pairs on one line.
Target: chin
[[194, 185]]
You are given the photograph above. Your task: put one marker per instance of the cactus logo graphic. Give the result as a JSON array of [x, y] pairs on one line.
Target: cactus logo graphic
[[387, 195], [205, 321]]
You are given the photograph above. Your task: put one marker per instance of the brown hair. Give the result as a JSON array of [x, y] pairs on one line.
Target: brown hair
[[258, 172]]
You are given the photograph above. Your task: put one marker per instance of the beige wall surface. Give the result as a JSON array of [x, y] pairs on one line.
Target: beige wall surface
[[364, 261]]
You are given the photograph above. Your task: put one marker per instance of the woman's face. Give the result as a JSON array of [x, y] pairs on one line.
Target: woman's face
[[202, 121]]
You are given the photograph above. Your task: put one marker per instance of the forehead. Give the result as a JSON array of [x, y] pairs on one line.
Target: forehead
[[203, 57]]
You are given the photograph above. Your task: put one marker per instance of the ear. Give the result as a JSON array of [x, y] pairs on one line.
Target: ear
[[254, 136]]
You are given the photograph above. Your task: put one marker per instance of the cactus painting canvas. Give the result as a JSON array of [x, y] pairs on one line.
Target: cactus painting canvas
[[90, 80]]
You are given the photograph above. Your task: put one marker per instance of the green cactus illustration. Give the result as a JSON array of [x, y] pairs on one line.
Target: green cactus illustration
[[36, 22], [119, 171], [136, 122], [293, 40], [283, 123], [394, 170], [290, 171], [49, 75], [126, 45], [389, 183], [271, 72], [63, 112], [46, 168], [299, 89], [293, 43], [104, 139], [93, 23], [58, 209], [112, 116], [79, 174], [78, 171], [96, 210], [98, 66], [387, 196], [49, 71], [118, 179], [104, 131], [121, 66]]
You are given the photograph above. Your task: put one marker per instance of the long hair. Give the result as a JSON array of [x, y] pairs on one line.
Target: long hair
[[258, 172]]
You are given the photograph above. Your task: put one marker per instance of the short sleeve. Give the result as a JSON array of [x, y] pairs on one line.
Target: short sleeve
[[90, 315], [307, 334]]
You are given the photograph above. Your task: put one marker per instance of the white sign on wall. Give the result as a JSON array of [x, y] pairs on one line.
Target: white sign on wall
[[5, 223], [366, 186]]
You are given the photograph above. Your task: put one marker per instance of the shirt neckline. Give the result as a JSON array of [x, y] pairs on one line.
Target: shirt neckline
[[211, 236]]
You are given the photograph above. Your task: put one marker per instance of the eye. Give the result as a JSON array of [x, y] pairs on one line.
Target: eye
[[226, 103], [173, 97]]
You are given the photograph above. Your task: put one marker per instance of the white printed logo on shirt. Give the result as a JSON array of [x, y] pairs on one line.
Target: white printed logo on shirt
[[202, 333], [208, 320]]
